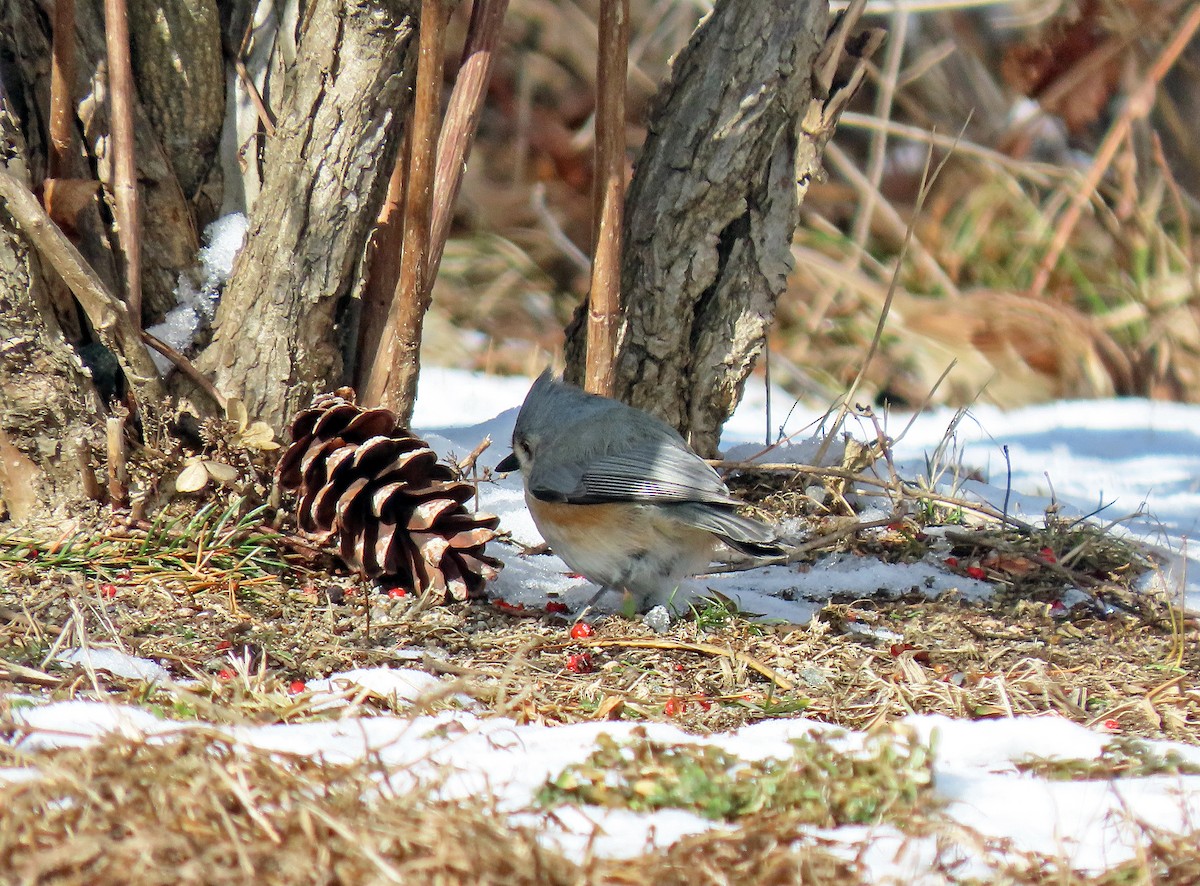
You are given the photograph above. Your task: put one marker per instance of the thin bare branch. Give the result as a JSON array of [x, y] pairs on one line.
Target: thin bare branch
[[125, 193], [187, 367], [608, 194], [462, 121]]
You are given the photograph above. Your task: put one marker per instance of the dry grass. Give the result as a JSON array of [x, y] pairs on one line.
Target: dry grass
[[715, 671], [198, 809]]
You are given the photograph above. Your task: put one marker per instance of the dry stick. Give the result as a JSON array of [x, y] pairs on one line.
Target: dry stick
[[608, 191], [239, 64], [1138, 105], [87, 472], [462, 121], [705, 648], [1038, 173], [392, 381], [554, 230], [187, 367], [895, 487], [108, 314], [118, 469], [125, 194]]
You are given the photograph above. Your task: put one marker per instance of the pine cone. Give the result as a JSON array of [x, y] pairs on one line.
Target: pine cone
[[381, 493]]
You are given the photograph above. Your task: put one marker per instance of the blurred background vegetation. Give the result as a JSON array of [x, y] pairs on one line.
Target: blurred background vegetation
[[1054, 256]]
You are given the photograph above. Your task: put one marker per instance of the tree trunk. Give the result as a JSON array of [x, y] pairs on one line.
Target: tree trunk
[[48, 406], [180, 75], [279, 327], [711, 211]]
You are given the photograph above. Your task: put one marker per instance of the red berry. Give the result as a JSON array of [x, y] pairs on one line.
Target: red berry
[[581, 630], [125, 574], [952, 561], [108, 590], [1048, 555], [1112, 725], [225, 674], [579, 663], [510, 608], [222, 645], [976, 572], [397, 593], [1058, 606], [674, 706], [704, 703], [296, 687], [556, 606]]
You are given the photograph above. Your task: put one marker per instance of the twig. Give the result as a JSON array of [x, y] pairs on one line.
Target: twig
[[608, 190], [1038, 173], [265, 117], [108, 315], [704, 648], [468, 463], [895, 487], [462, 120], [1008, 482], [187, 367], [1138, 105], [537, 202], [118, 469], [87, 472], [124, 163]]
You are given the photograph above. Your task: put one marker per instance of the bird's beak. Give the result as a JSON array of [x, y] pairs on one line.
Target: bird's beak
[[508, 463]]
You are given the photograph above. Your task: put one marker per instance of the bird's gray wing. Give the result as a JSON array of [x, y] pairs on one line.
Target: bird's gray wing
[[647, 471]]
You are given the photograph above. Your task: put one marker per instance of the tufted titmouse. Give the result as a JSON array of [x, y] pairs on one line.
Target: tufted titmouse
[[619, 495]]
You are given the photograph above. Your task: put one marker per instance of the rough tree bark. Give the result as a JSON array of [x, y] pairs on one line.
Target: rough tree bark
[[48, 406], [711, 211], [279, 326], [180, 75]]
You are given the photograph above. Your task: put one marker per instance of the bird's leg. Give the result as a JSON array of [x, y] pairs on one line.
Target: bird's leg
[[604, 589]]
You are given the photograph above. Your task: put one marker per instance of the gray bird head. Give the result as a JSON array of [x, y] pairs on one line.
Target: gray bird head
[[577, 424]]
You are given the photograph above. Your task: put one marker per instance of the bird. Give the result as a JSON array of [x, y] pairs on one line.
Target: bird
[[620, 496]]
